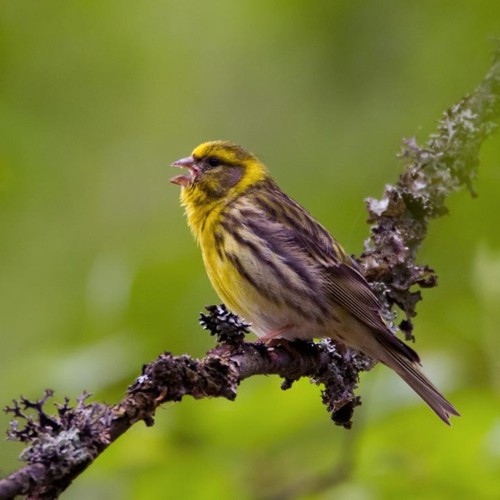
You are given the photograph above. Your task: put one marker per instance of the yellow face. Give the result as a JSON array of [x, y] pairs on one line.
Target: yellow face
[[216, 169]]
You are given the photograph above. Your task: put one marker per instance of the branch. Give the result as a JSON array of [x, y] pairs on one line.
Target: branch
[[61, 447], [448, 162]]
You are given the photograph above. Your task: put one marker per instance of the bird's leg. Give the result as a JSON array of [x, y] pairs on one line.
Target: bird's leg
[[275, 334]]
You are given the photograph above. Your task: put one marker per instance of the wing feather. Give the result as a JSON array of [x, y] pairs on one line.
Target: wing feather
[[290, 230]]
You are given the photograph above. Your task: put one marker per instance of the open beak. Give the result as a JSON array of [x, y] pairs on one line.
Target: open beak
[[185, 179]]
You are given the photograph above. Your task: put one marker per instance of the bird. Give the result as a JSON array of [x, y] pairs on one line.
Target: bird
[[276, 266]]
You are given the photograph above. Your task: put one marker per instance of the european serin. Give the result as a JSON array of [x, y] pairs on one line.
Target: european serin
[[273, 264]]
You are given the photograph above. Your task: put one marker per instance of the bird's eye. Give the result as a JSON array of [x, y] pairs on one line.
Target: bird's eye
[[213, 161]]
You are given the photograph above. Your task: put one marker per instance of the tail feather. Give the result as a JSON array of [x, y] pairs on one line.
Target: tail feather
[[408, 368]]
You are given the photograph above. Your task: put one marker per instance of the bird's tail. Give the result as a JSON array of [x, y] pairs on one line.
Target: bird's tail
[[406, 363]]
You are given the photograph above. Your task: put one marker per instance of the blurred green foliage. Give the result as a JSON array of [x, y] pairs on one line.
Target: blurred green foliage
[[99, 273]]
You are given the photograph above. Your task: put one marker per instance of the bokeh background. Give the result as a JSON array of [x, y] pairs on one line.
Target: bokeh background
[[99, 274]]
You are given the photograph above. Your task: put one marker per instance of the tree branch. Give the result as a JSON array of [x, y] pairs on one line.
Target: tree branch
[[61, 447], [400, 219]]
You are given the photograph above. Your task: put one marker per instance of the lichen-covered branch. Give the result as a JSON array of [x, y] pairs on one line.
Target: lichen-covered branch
[[59, 447], [448, 162], [62, 446]]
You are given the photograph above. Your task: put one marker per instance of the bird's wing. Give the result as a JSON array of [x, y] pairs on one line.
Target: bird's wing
[[289, 228], [350, 289]]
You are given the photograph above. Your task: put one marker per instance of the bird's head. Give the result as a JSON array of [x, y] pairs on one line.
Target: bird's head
[[216, 170]]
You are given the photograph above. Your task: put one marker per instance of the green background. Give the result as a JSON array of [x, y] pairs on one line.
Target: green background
[[99, 274]]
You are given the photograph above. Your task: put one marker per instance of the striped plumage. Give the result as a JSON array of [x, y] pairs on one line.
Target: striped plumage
[[276, 266]]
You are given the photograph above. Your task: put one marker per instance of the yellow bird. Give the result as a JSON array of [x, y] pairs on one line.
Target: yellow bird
[[274, 265]]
